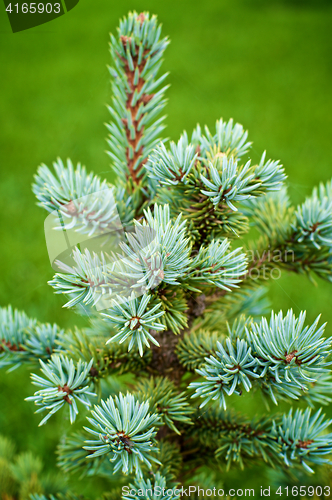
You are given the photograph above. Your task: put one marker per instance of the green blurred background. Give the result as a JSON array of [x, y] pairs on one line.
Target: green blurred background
[[267, 64]]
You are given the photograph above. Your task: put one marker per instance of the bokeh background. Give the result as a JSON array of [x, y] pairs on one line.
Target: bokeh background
[[267, 64]]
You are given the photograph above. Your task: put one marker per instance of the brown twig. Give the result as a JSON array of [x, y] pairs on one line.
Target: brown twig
[[144, 99]]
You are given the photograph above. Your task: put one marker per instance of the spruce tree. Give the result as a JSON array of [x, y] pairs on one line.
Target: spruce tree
[[173, 294]]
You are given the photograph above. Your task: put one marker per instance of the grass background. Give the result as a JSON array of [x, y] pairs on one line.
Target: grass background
[[267, 64]]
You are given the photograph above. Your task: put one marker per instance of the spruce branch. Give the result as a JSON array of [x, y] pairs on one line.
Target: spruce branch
[[164, 400], [301, 440], [234, 367], [72, 458], [134, 321], [204, 183], [14, 327], [205, 220], [44, 340], [282, 357], [301, 240], [134, 131], [229, 140], [122, 426], [84, 282], [158, 250], [65, 383], [84, 202], [169, 167], [175, 306], [319, 391], [292, 439], [285, 343], [24, 340], [313, 226], [290, 354], [270, 174], [226, 182], [152, 490], [233, 438], [215, 265]]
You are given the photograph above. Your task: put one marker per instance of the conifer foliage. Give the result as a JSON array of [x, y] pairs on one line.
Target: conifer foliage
[[173, 302]]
